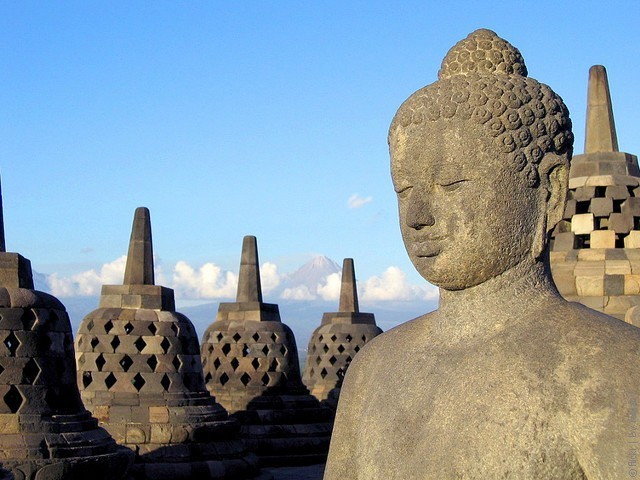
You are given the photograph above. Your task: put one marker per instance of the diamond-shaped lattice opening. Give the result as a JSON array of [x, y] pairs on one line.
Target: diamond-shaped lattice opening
[[87, 378], [100, 361], [341, 348], [152, 361], [320, 338], [210, 349], [349, 338], [176, 363], [364, 338], [256, 363], [165, 382], [140, 344], [283, 350], [311, 372], [94, 342], [255, 337], [323, 373], [1, 369], [207, 378], [216, 363], [274, 337], [245, 350], [165, 344], [224, 378], [265, 379], [28, 318], [108, 326], [126, 363], [111, 380], [138, 382], [236, 337], [318, 360], [325, 348], [348, 360], [90, 326], [235, 364], [115, 343], [226, 348], [333, 338], [245, 379], [128, 328], [265, 350], [12, 343], [13, 399], [273, 366], [30, 372], [152, 328], [219, 336], [356, 348], [175, 328], [332, 360]]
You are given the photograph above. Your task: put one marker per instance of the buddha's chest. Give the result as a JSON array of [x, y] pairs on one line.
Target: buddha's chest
[[462, 416]]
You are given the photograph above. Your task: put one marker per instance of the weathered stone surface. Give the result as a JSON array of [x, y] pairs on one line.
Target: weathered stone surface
[[45, 431], [250, 361], [602, 183], [506, 379], [335, 343], [139, 371]]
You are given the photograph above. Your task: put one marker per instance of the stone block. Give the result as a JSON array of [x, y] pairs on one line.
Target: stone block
[[564, 241], [632, 240], [590, 286], [617, 267], [601, 207], [632, 284], [614, 285], [597, 303], [569, 209], [584, 193], [582, 223], [592, 254], [602, 238], [631, 206], [620, 223], [577, 181], [617, 192]]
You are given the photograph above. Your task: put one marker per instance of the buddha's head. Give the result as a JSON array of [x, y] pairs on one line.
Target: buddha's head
[[480, 163]]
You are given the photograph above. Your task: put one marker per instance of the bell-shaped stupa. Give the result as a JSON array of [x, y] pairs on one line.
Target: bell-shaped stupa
[[140, 374], [595, 250], [45, 431], [250, 360], [337, 340]]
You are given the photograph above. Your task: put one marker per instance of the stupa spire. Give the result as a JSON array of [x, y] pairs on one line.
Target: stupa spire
[[601, 128], [139, 269], [348, 290], [249, 288]]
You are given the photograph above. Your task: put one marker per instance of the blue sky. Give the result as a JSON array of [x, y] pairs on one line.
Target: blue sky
[[263, 118]]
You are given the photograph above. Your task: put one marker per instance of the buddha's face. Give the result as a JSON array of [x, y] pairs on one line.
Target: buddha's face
[[466, 216]]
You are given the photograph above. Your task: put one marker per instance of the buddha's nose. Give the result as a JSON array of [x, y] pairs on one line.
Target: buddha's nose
[[419, 215]]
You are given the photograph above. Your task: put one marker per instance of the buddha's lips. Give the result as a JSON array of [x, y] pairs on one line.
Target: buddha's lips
[[428, 248]]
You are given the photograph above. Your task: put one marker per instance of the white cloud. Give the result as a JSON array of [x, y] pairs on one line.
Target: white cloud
[[392, 285], [88, 282], [208, 281], [269, 277], [301, 292], [330, 290], [356, 201]]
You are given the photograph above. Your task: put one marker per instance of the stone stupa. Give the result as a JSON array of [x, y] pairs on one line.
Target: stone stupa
[[45, 431], [250, 360], [139, 372], [337, 340], [595, 250]]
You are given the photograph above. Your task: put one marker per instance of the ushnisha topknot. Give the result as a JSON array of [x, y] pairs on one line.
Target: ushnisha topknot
[[483, 79]]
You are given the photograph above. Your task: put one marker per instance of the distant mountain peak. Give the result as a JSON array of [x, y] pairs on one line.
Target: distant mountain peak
[[313, 273]]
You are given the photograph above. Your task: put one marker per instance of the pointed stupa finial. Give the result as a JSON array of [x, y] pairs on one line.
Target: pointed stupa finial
[[348, 290], [249, 288], [139, 269], [3, 246], [601, 128]]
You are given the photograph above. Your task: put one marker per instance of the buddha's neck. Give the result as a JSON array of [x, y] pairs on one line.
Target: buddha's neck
[[523, 289]]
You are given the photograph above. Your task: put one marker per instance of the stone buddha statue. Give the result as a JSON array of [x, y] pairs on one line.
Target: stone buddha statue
[[506, 379]]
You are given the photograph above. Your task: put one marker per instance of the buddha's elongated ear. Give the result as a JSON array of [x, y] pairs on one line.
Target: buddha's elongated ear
[[554, 182]]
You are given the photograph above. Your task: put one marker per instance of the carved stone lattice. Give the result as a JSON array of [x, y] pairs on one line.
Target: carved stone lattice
[[250, 361], [140, 373]]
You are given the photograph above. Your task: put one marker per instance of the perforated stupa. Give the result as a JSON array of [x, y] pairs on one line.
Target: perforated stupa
[[595, 251], [139, 372], [45, 431], [251, 365], [337, 340]]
